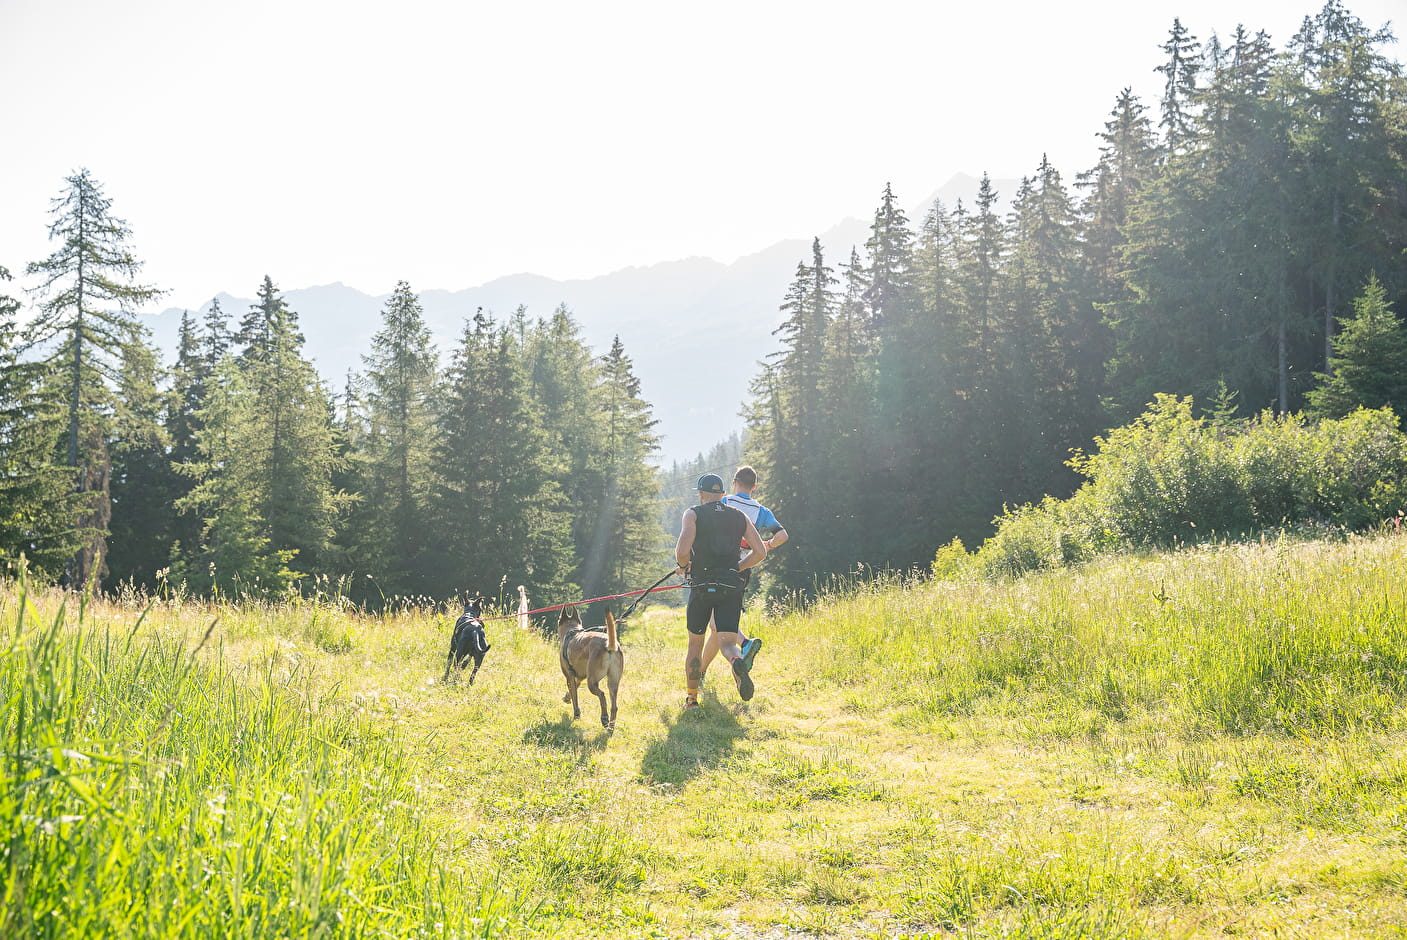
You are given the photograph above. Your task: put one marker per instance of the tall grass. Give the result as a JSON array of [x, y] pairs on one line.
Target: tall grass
[[1195, 743], [1289, 637], [144, 792]]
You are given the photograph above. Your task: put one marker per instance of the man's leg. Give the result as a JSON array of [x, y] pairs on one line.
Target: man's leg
[[693, 669], [697, 616], [728, 611], [710, 650], [730, 645]]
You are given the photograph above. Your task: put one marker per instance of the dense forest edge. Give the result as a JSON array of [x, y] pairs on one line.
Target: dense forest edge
[[1244, 246], [1247, 249]]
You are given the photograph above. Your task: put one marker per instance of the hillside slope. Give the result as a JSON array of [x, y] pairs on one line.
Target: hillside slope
[[665, 314], [1176, 745]]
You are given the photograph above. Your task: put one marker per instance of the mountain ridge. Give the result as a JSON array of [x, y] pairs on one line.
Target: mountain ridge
[[664, 313]]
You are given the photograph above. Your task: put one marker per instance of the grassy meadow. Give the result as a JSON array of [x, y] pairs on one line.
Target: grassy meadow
[[1198, 744]]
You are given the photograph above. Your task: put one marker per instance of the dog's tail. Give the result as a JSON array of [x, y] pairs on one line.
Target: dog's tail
[[612, 644]]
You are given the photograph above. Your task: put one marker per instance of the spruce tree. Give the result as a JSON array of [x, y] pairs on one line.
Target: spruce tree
[[633, 546], [1369, 368], [38, 504], [563, 383], [234, 554], [290, 443], [216, 338], [400, 387], [144, 483], [890, 249], [88, 298], [848, 392], [495, 477], [1350, 139], [1180, 87], [1127, 161], [188, 379]]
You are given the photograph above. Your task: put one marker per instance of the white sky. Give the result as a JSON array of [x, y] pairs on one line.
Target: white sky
[[452, 143]]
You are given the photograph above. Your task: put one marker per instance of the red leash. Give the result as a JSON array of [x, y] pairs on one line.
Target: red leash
[[589, 600]]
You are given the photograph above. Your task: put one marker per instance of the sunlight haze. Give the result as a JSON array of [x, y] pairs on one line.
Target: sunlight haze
[[450, 144]]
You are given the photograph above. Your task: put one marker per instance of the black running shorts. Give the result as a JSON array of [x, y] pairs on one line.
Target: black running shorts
[[723, 604]]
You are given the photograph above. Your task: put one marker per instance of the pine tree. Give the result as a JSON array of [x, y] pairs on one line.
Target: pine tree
[[1369, 368], [88, 300]]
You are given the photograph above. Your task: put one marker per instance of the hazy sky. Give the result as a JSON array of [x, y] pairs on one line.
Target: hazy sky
[[449, 143]]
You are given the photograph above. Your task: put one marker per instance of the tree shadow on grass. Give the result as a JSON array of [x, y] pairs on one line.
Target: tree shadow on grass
[[697, 741], [564, 734]]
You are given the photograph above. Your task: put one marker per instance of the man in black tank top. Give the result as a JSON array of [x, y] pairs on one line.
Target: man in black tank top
[[708, 552]]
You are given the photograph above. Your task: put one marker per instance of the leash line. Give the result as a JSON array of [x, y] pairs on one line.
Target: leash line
[[636, 603], [589, 600]]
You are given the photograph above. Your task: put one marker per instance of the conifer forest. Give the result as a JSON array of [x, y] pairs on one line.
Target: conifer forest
[[1240, 240]]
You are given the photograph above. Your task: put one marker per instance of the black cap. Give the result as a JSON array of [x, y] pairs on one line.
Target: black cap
[[710, 483]]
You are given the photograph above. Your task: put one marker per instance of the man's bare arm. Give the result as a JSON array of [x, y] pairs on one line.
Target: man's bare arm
[[778, 539], [685, 546], [757, 549]]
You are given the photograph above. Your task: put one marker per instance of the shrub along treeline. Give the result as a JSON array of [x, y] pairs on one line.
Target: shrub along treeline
[[1172, 478], [946, 372], [238, 471]]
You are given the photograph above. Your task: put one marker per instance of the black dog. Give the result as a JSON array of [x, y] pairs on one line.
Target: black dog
[[468, 641]]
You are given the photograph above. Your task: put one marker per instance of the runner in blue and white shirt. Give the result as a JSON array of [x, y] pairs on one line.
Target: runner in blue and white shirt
[[774, 535]]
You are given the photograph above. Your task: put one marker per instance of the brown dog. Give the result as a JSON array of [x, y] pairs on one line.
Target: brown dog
[[590, 656]]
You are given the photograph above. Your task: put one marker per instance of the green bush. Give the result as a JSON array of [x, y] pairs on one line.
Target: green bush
[[951, 561], [1172, 478]]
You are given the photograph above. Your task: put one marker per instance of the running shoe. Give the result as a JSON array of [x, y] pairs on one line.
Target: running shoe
[[691, 702], [750, 650], [743, 680]]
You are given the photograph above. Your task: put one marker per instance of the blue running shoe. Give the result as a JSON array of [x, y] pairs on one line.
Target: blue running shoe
[[750, 650]]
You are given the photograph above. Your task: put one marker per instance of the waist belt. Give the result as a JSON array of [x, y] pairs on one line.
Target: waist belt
[[729, 579]]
